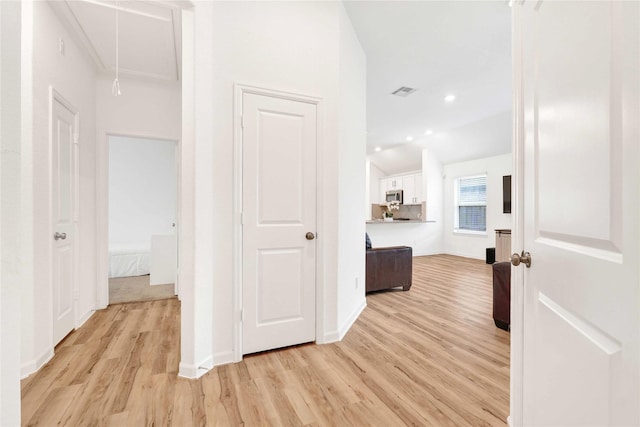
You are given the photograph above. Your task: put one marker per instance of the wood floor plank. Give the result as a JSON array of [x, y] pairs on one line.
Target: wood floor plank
[[430, 356]]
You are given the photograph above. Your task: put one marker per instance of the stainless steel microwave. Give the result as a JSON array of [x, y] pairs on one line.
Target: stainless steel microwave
[[394, 196]]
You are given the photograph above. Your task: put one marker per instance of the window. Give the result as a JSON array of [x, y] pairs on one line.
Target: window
[[471, 204]]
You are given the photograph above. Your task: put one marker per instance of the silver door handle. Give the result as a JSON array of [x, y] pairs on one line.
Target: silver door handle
[[310, 236], [60, 236], [524, 258]]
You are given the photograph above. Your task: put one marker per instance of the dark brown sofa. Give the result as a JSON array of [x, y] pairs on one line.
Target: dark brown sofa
[[389, 267], [502, 295]]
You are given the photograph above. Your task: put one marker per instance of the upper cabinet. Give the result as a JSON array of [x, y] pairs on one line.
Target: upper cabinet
[[395, 183], [386, 184], [410, 184], [412, 189]]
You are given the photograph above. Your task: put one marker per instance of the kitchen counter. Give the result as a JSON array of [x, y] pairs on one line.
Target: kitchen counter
[[425, 237], [396, 221]]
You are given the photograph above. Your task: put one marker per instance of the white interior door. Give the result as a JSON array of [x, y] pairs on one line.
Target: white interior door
[[279, 210], [580, 84], [64, 138]]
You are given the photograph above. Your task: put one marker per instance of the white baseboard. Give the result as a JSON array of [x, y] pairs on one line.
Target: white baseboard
[[223, 358], [418, 253], [85, 317], [342, 331], [194, 372], [329, 337], [32, 366], [463, 255]]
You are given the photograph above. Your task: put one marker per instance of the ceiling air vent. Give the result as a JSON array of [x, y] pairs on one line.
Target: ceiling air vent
[[403, 91]]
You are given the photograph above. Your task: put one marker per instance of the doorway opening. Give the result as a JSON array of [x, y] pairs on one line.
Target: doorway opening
[[142, 206]]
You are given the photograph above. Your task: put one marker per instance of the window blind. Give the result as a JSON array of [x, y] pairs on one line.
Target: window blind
[[472, 203]]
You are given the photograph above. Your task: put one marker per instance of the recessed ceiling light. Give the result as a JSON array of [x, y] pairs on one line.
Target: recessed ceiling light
[[378, 148], [409, 138], [428, 132], [450, 98]]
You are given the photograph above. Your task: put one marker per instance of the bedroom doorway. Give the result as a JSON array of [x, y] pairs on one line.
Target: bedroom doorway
[[142, 218]]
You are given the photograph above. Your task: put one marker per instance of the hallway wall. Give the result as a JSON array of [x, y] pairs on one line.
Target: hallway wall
[[10, 213], [293, 47], [73, 76]]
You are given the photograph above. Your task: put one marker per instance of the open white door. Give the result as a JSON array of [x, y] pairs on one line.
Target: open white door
[[279, 222], [63, 139], [578, 95]]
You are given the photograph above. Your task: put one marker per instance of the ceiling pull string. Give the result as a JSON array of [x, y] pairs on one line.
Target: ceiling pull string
[[115, 88]]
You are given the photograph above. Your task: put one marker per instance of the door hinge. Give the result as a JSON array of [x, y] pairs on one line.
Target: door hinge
[[241, 315], [242, 122], [241, 218]]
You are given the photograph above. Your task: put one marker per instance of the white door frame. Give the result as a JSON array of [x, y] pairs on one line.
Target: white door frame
[[237, 261], [102, 209], [55, 96], [516, 373]]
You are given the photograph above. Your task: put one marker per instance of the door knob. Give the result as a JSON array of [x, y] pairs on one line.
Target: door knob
[[524, 258], [310, 236], [60, 236]]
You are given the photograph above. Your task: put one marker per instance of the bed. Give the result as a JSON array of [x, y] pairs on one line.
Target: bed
[[127, 259]]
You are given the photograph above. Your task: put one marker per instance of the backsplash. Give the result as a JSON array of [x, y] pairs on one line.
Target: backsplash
[[411, 212]]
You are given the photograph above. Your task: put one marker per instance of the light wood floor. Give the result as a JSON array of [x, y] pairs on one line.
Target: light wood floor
[[429, 356], [136, 289]]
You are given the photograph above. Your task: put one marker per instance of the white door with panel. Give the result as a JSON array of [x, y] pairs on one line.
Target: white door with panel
[[580, 96], [279, 222], [64, 158]]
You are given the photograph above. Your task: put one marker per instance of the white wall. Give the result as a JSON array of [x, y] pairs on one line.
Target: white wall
[[146, 108], [375, 175], [142, 189], [10, 213], [352, 128], [474, 246], [424, 238], [73, 77], [432, 183], [287, 46]]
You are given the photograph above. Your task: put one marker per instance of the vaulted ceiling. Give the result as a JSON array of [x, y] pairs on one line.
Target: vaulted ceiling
[[436, 47], [149, 35], [439, 48]]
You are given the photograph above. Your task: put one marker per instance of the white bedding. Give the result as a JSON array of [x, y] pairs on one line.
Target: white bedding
[[128, 260]]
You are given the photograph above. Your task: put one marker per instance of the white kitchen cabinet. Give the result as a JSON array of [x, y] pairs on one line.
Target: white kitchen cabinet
[[384, 186], [395, 183], [419, 194], [410, 184], [391, 183], [412, 189]]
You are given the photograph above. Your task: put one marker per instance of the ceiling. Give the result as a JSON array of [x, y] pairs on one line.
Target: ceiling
[[149, 35], [439, 48], [436, 47]]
